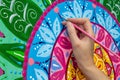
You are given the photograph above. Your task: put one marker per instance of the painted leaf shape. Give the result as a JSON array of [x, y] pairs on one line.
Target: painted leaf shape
[[88, 14], [2, 35], [47, 35], [56, 27], [115, 34], [101, 35], [17, 54], [109, 68], [113, 47], [108, 41], [55, 65], [108, 22], [44, 50], [118, 70], [100, 20], [40, 74], [60, 56], [68, 15], [77, 10], [19, 17], [64, 42], [57, 75]]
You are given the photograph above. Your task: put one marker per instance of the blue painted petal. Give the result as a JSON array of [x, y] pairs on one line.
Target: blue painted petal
[[40, 74], [55, 65], [56, 27], [47, 34], [77, 10], [44, 50]]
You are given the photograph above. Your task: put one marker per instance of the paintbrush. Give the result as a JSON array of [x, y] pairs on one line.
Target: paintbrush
[[56, 10]]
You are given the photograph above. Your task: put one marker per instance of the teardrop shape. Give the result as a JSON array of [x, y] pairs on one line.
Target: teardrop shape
[[101, 35], [109, 68], [55, 65], [64, 42], [108, 41], [60, 56]]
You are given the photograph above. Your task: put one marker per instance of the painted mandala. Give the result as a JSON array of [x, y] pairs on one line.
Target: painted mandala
[[49, 51]]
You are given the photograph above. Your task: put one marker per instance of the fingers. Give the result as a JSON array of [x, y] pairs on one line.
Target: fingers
[[71, 32], [85, 22]]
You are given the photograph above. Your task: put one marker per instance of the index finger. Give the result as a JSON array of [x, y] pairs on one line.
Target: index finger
[[85, 22]]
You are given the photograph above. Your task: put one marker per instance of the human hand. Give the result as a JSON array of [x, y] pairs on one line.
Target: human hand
[[83, 48], [81, 44]]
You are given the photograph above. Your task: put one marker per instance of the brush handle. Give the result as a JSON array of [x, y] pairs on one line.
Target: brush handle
[[84, 32]]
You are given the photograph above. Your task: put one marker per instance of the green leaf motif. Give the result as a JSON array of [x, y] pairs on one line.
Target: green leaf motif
[[113, 6], [14, 53], [19, 16]]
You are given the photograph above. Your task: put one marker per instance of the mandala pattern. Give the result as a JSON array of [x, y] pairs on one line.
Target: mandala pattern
[[48, 51], [49, 47]]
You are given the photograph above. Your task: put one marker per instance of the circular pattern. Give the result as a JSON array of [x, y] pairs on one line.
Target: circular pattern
[[54, 45]]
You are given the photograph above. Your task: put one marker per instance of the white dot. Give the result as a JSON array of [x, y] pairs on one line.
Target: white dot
[[30, 77], [35, 48], [33, 79], [37, 34]]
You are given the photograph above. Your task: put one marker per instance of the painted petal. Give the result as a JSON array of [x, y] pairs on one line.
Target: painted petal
[[77, 10], [55, 65], [100, 20], [115, 34], [108, 41], [109, 68], [88, 14], [101, 35], [56, 27], [40, 74], [118, 70], [60, 56], [44, 50], [47, 35], [108, 23], [64, 43], [57, 75], [68, 15]]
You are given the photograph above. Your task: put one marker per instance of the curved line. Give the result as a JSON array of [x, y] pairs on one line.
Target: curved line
[[29, 25], [25, 10], [11, 17], [116, 5], [11, 6]]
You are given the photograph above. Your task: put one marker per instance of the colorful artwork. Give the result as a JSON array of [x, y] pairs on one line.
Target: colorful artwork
[[49, 51], [34, 45]]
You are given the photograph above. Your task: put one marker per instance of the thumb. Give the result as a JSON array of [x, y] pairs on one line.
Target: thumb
[[72, 32]]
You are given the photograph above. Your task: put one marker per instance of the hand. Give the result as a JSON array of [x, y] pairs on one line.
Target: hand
[[81, 44], [83, 48]]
